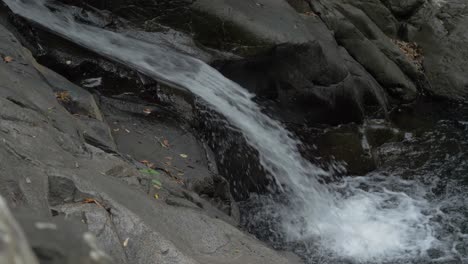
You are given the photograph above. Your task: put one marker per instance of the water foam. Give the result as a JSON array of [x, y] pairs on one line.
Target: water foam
[[349, 221]]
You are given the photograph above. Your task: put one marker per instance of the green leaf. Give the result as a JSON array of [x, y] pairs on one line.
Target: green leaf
[[149, 171]]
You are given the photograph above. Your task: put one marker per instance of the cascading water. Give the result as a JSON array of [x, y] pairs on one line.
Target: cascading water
[[377, 223]]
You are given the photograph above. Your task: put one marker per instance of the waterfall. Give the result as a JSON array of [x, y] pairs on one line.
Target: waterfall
[[371, 225]]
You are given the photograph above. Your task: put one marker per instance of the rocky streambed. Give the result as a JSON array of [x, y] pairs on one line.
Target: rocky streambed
[[118, 145]]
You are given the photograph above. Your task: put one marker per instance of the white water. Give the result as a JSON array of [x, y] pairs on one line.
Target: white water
[[365, 226]]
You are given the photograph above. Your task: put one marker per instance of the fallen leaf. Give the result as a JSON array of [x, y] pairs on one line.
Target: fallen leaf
[[116, 129], [169, 158], [92, 201], [147, 111], [184, 156], [125, 243], [126, 130], [28, 181], [63, 96], [166, 143], [89, 201], [8, 59], [156, 196]]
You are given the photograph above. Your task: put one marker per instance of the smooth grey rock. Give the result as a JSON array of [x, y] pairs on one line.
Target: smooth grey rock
[[14, 247], [57, 241]]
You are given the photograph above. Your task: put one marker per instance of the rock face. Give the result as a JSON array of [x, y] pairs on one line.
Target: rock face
[[369, 45], [60, 163], [365, 29]]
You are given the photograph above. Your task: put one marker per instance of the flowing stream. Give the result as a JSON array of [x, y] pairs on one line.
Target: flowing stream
[[376, 224]]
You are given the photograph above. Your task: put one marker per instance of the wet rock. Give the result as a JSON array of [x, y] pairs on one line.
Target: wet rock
[[333, 89], [378, 136], [335, 145], [431, 138]]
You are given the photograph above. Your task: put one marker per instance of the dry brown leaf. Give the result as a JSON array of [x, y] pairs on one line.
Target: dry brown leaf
[[7, 59], [412, 51], [63, 96], [90, 201]]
